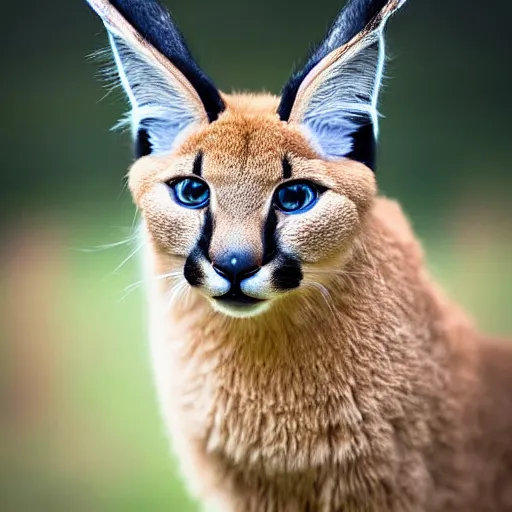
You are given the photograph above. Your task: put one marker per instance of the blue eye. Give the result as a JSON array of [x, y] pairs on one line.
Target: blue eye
[[296, 197], [191, 192]]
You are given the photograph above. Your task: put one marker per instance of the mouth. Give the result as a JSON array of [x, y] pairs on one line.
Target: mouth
[[238, 304], [238, 298]]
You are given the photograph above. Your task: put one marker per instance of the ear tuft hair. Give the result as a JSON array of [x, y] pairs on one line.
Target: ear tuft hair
[[167, 90], [350, 21], [334, 96], [155, 24]]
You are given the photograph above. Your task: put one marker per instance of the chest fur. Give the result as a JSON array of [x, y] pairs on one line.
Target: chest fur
[[277, 406]]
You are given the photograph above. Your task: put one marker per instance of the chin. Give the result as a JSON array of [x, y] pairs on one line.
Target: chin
[[237, 309]]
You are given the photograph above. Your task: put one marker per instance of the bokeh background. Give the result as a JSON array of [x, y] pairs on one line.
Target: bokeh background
[[79, 427]]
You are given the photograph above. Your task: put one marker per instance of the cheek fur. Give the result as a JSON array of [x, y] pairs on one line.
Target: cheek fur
[[280, 275], [323, 232], [175, 229]]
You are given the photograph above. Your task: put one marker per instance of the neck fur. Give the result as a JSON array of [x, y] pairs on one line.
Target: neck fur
[[327, 375]]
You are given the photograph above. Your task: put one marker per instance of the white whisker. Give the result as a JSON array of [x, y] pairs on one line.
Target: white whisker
[[175, 292], [137, 284], [127, 259], [324, 292], [104, 247], [135, 214], [331, 271]]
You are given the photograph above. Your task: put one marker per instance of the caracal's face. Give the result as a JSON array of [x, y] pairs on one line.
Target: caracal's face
[[250, 199], [246, 209]]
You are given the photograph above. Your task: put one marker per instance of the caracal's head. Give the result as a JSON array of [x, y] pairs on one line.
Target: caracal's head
[[248, 196]]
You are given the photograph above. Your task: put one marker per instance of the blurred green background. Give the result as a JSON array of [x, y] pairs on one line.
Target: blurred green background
[[79, 427]]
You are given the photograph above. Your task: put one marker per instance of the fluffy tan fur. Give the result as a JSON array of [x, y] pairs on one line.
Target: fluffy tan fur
[[363, 390]]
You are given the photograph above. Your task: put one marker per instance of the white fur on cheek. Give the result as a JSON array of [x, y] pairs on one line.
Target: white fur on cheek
[[214, 284], [260, 285]]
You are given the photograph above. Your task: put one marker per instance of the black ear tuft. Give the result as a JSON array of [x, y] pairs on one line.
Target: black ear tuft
[[154, 22], [352, 19], [142, 143], [364, 147], [334, 96]]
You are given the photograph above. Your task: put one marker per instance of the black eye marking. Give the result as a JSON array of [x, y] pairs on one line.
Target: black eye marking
[[206, 234], [192, 271], [288, 274], [197, 169], [287, 168], [269, 237]]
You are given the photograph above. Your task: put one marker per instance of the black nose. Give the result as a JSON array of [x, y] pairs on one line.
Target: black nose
[[236, 266]]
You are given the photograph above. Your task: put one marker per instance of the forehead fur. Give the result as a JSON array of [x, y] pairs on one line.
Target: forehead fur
[[249, 125]]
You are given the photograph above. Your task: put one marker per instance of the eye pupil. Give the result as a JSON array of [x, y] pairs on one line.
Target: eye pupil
[[191, 192], [293, 197], [296, 197], [194, 190]]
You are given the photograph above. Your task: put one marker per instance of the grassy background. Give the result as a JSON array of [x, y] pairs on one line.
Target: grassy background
[[79, 426], [84, 432]]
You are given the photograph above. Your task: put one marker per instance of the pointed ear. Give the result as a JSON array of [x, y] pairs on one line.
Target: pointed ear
[[167, 90], [334, 97]]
